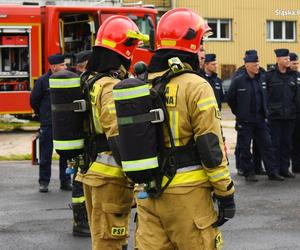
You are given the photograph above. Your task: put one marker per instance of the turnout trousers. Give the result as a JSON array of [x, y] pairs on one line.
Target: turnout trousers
[[108, 202], [179, 220]]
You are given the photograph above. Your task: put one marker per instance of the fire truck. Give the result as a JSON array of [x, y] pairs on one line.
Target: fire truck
[[29, 34]]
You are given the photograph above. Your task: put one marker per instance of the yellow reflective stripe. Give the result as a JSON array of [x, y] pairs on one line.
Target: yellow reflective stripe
[[187, 177], [109, 43], [106, 170], [138, 165], [217, 175], [68, 145], [174, 117], [168, 42], [64, 83], [96, 120], [78, 199], [130, 93], [94, 93], [111, 109], [207, 103]]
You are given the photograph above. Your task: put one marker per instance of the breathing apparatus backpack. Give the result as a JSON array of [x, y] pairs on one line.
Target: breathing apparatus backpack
[[74, 133], [142, 113], [68, 107]]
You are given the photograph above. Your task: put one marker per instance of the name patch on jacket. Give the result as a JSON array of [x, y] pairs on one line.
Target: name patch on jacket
[[118, 231], [171, 94]]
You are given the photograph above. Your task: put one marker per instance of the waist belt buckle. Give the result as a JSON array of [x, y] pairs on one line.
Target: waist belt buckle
[[159, 115], [81, 105]]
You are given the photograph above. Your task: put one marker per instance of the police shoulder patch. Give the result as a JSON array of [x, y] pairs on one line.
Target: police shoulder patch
[[171, 94], [219, 241], [118, 231]]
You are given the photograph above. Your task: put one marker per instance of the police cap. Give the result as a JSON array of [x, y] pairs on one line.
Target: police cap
[[293, 56], [250, 52], [281, 52], [210, 58], [250, 58], [56, 59], [83, 56]]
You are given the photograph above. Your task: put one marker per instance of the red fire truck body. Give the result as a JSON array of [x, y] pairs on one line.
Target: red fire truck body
[[29, 34]]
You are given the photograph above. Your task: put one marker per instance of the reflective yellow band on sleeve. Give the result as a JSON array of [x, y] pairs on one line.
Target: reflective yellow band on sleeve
[[130, 93], [68, 145], [139, 165], [187, 177], [207, 103], [78, 199], [106, 170], [64, 83], [111, 109], [218, 175]]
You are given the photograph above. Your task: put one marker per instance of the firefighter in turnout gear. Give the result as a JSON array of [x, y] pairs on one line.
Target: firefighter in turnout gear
[[66, 94], [108, 193], [80, 223], [183, 216]]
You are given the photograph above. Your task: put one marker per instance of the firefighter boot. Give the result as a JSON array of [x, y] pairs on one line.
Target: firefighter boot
[[80, 224]]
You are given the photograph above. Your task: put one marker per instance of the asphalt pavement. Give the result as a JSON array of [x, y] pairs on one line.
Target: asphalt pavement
[[268, 215]]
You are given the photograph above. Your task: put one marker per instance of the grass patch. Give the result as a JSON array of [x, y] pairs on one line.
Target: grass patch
[[18, 126], [22, 157]]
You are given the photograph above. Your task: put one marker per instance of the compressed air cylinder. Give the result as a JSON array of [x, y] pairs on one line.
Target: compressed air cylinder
[[138, 136], [67, 107]]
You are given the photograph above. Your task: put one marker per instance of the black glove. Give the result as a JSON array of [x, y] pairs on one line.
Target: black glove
[[226, 208]]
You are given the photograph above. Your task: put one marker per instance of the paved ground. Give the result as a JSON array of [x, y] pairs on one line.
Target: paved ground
[[268, 215]]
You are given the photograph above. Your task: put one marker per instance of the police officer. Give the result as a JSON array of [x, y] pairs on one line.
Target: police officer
[[201, 56], [255, 151], [41, 104], [209, 73], [282, 100], [183, 217], [294, 63], [108, 193], [82, 60], [247, 100]]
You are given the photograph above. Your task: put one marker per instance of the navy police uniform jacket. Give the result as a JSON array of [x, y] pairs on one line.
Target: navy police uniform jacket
[[40, 99], [247, 97], [216, 83], [282, 94]]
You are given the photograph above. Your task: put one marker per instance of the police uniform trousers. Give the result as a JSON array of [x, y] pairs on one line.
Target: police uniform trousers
[[281, 133], [258, 131], [108, 197], [46, 150], [296, 146], [257, 160], [181, 218]]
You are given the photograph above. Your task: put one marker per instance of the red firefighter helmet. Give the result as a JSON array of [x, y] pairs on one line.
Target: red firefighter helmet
[[181, 29], [113, 34]]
